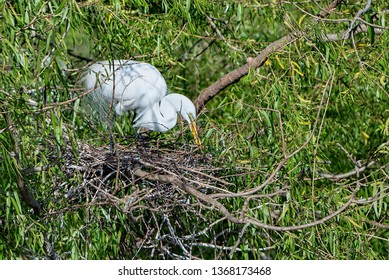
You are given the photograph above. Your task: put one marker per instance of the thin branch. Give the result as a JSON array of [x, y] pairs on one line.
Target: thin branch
[[347, 35], [203, 231], [312, 224], [374, 223], [226, 248], [240, 236], [176, 239], [360, 12], [332, 6], [214, 27], [25, 193]]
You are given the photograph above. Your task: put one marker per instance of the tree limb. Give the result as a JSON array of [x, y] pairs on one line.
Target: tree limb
[[235, 75]]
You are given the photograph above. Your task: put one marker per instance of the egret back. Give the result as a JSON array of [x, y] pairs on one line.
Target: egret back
[[129, 84]]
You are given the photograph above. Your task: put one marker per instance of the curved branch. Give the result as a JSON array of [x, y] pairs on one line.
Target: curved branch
[[299, 227]]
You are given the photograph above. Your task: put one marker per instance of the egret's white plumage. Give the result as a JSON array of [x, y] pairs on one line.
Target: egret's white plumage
[[162, 115], [138, 86]]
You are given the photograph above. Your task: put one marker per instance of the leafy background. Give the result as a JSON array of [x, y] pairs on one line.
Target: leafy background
[[324, 100]]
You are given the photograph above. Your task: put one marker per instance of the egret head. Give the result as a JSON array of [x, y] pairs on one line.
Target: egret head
[[185, 107], [162, 116]]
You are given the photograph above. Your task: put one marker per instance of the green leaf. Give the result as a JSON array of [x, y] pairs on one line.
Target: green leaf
[[370, 29]]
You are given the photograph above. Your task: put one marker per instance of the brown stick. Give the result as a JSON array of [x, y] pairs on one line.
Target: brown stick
[[242, 220]]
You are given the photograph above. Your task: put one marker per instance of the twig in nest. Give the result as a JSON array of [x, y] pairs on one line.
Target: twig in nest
[[175, 181], [176, 240]]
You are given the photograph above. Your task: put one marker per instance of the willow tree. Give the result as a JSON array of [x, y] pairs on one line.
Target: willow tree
[[293, 115]]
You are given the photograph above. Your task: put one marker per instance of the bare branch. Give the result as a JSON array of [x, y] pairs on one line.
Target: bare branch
[[360, 12], [235, 75], [347, 174], [347, 35], [326, 12]]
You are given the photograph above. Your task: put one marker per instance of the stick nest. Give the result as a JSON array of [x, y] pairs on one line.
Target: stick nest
[[138, 173]]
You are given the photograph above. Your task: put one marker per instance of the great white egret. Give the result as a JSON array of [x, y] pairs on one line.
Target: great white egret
[[139, 86]]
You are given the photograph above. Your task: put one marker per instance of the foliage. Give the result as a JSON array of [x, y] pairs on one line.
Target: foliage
[[322, 100]]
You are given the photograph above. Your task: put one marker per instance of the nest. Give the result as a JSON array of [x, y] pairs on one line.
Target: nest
[[163, 177]]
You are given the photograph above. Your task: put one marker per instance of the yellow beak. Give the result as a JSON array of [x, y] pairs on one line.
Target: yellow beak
[[193, 129]]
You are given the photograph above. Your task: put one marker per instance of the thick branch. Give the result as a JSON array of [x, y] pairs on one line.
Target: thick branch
[[235, 75]]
